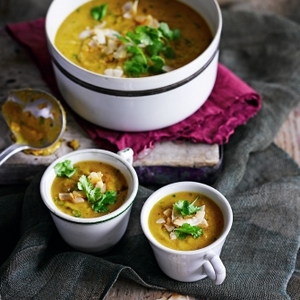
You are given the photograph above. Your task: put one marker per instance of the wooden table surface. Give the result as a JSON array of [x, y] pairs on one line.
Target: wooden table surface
[[288, 138]]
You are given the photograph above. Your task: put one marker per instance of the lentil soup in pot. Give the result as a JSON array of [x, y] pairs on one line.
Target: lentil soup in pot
[[133, 39]]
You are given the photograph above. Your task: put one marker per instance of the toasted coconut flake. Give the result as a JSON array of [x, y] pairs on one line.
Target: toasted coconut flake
[[169, 228], [94, 177], [79, 194], [99, 36], [113, 72], [173, 235], [203, 223], [74, 197], [66, 197], [101, 185], [78, 199], [175, 214], [101, 25], [85, 34], [160, 221], [121, 52], [93, 44], [193, 221], [130, 9], [167, 68], [111, 34], [168, 212], [147, 20]]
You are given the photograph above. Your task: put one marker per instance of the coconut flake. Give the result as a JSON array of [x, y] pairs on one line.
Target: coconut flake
[[173, 236], [121, 52], [101, 25], [101, 185], [160, 221], [130, 9], [168, 212], [94, 177], [99, 36], [169, 227], [110, 33], [147, 20], [193, 221], [78, 200], [85, 34], [167, 68], [66, 197], [117, 72]]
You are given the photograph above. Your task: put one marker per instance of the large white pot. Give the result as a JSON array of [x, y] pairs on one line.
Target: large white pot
[[136, 104]]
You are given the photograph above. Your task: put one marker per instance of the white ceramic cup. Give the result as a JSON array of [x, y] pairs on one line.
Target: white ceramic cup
[[93, 235], [189, 266]]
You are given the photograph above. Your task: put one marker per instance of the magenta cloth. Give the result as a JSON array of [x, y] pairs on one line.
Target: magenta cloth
[[232, 102]]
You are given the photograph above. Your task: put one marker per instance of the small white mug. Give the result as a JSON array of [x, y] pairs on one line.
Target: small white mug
[[93, 235], [189, 266]]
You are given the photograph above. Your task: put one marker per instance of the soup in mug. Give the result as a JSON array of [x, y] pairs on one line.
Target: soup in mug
[[123, 39], [88, 189], [186, 221]]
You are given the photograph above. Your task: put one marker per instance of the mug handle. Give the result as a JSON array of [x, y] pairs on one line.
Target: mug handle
[[214, 268], [127, 154]]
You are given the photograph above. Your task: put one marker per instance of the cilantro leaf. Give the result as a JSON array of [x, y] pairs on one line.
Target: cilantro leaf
[[145, 46], [140, 36], [186, 208], [76, 213], [100, 201], [138, 63], [183, 231], [133, 68], [155, 48], [106, 199], [92, 193], [99, 12], [168, 33], [169, 52], [157, 64], [64, 168]]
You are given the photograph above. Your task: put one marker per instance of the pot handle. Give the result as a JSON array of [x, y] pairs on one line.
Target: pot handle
[[127, 154], [214, 268]]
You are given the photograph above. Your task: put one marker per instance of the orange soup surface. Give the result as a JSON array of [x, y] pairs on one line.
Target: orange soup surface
[[92, 44], [211, 226], [96, 174]]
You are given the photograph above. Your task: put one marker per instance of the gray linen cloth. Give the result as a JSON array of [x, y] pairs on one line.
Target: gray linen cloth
[[261, 182]]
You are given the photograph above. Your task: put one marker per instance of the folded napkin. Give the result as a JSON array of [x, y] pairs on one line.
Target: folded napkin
[[231, 103], [261, 182]]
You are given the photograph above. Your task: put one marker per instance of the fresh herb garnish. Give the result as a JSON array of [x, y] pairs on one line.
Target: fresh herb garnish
[[100, 201], [92, 193], [167, 32], [64, 168], [186, 208], [99, 12], [106, 199], [76, 213], [147, 58], [183, 231]]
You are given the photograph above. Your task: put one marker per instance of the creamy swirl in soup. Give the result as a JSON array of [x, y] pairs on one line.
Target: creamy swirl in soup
[[133, 39]]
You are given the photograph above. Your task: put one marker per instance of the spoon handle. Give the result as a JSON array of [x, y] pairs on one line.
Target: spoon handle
[[11, 150]]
